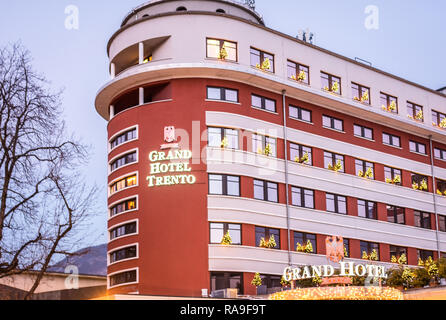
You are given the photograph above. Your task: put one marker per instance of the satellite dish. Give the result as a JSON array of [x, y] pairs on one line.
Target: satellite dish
[[251, 4]]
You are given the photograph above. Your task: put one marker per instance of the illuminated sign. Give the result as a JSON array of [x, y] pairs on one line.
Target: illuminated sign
[[174, 161]]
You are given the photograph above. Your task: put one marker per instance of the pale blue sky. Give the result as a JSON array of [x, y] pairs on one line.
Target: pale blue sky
[[410, 43]]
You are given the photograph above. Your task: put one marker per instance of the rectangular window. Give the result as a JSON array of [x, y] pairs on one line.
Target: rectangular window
[[415, 112], [221, 49], [263, 103], [123, 184], [365, 169], [367, 209], [440, 154], [397, 252], [442, 223], [393, 175], [267, 191], [123, 207], [346, 247], [391, 140], [332, 123], [420, 182], [122, 138], [217, 137], [389, 103], [266, 233], [222, 94], [219, 230], [262, 60], [298, 72], [224, 185], [122, 161], [271, 282], [126, 229], [260, 143], [122, 254], [301, 197], [299, 113], [439, 119], [368, 247], [331, 160], [331, 83], [417, 147], [301, 154], [363, 132], [422, 220], [360, 93], [441, 187], [424, 254], [396, 215], [124, 277], [226, 280], [336, 203], [302, 238]]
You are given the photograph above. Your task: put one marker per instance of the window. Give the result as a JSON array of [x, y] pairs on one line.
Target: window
[[397, 252], [424, 254], [417, 147], [222, 94], [332, 159], [336, 203], [298, 72], [346, 247], [392, 175], [266, 233], [262, 60], [332, 123], [221, 49], [391, 140], [220, 11], [360, 93], [263, 103], [367, 209], [224, 185], [217, 135], [122, 254], [396, 215], [271, 281], [363, 168], [218, 230], [439, 119], [363, 132], [415, 112], [302, 238], [259, 143], [299, 152], [267, 191], [123, 183], [221, 281], [124, 160], [299, 113], [420, 182], [181, 9], [442, 223], [126, 229], [124, 137], [123, 277], [331, 83], [368, 248], [422, 220], [123, 207], [440, 154], [441, 187], [389, 103], [301, 197]]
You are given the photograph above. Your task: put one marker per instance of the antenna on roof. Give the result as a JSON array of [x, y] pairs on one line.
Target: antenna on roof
[[251, 4], [306, 36]]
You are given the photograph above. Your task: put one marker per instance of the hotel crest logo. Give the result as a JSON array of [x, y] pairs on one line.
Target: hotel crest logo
[[170, 167]]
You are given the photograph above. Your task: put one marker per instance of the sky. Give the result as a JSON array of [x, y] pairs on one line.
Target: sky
[[410, 42]]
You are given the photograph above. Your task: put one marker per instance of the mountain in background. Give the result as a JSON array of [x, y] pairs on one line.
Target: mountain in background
[[91, 261]]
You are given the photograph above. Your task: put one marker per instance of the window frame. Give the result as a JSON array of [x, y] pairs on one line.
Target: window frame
[[366, 208], [265, 190], [223, 94], [133, 131], [365, 165], [336, 200], [126, 205], [226, 228], [121, 160], [224, 134], [301, 152], [224, 185], [437, 117], [296, 71], [268, 236], [303, 202], [299, 111], [334, 160], [112, 259], [263, 101], [422, 218], [264, 142], [370, 247], [417, 147], [359, 92], [222, 43], [363, 130], [393, 174], [262, 59], [388, 99], [113, 229], [305, 239], [332, 123], [391, 140], [396, 212], [413, 109], [330, 78], [441, 152]]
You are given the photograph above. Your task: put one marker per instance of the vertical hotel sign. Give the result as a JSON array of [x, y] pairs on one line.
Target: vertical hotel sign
[[172, 166]]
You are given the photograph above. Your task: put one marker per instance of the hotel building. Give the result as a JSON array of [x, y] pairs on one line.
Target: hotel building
[[286, 139]]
